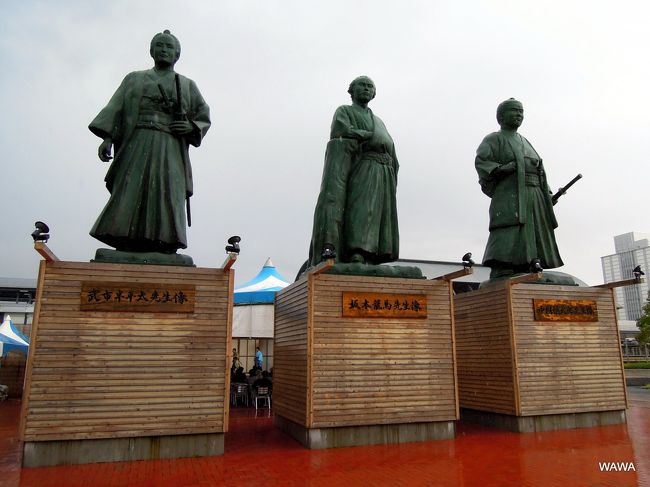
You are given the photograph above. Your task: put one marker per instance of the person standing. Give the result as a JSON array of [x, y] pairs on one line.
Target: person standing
[[259, 358], [235, 360]]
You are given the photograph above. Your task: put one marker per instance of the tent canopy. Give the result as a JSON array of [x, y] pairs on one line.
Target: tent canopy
[[11, 339], [262, 288]]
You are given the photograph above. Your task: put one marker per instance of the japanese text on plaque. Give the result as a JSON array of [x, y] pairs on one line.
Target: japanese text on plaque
[[565, 310], [378, 305], [157, 298]]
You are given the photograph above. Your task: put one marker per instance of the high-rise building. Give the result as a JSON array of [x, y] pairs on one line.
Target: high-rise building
[[632, 249]]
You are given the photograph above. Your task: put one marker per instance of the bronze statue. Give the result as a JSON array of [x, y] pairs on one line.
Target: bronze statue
[[356, 212], [149, 121], [522, 220]]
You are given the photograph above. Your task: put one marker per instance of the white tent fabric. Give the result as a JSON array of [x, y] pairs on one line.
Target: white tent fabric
[[11, 338], [253, 321], [271, 282]]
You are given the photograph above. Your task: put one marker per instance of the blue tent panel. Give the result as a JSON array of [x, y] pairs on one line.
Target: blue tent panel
[[255, 297], [262, 288], [8, 345]]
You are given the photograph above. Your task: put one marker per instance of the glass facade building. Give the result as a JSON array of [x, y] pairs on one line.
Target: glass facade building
[[632, 249]]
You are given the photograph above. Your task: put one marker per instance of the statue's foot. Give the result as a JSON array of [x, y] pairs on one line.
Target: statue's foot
[[357, 259]]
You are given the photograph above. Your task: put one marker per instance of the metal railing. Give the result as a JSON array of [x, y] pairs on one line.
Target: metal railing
[[635, 353]]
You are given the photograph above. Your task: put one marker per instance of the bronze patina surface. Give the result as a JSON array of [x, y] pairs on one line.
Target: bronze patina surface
[[148, 124], [356, 212], [522, 220]]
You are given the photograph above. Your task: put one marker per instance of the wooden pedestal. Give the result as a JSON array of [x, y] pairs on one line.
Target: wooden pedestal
[[146, 379], [523, 374], [343, 381]]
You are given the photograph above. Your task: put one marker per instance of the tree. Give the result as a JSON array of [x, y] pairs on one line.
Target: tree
[[644, 324]]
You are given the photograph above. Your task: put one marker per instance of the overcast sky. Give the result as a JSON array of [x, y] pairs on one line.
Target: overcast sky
[[273, 72]]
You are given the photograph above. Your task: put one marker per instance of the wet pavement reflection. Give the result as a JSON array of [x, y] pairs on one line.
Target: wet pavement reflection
[[258, 454]]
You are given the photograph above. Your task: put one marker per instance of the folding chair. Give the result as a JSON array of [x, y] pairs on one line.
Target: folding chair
[[239, 391], [263, 394]]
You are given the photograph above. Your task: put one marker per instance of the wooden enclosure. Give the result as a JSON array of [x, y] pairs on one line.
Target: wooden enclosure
[[111, 375], [334, 371], [512, 364]]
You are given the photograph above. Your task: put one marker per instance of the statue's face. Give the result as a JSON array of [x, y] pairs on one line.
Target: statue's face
[[363, 90], [164, 50], [513, 116]]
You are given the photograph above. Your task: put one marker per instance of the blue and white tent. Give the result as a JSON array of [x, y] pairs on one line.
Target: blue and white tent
[[11, 339], [262, 288]]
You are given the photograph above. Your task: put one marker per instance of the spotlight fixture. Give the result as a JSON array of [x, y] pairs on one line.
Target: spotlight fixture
[[536, 266], [233, 246], [638, 272], [41, 234], [329, 252], [467, 260]]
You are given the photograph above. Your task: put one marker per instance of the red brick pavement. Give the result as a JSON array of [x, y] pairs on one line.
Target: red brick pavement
[[259, 455]]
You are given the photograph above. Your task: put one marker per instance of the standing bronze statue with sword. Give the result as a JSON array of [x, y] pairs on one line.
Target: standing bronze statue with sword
[[522, 220], [149, 123]]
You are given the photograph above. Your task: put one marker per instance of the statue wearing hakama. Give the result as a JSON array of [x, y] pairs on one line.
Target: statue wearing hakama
[[150, 178], [356, 212], [522, 220]]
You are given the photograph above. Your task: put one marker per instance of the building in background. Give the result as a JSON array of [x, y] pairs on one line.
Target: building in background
[[17, 299], [632, 249]]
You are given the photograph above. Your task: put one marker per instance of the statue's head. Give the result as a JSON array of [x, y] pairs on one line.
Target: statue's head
[[362, 89], [510, 113], [161, 44]]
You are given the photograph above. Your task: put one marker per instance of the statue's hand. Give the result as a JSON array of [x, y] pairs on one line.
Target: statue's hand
[[181, 127], [364, 134], [104, 150], [505, 169]]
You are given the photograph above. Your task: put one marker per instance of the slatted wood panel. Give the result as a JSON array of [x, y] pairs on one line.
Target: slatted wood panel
[[567, 367], [484, 350], [369, 371], [290, 353], [126, 374]]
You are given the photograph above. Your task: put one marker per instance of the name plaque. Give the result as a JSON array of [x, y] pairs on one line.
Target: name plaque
[[565, 310], [383, 305], [140, 297]]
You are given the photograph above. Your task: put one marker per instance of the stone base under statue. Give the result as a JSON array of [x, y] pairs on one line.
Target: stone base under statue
[[50, 453], [150, 258], [543, 422], [376, 434], [548, 277], [357, 269]]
